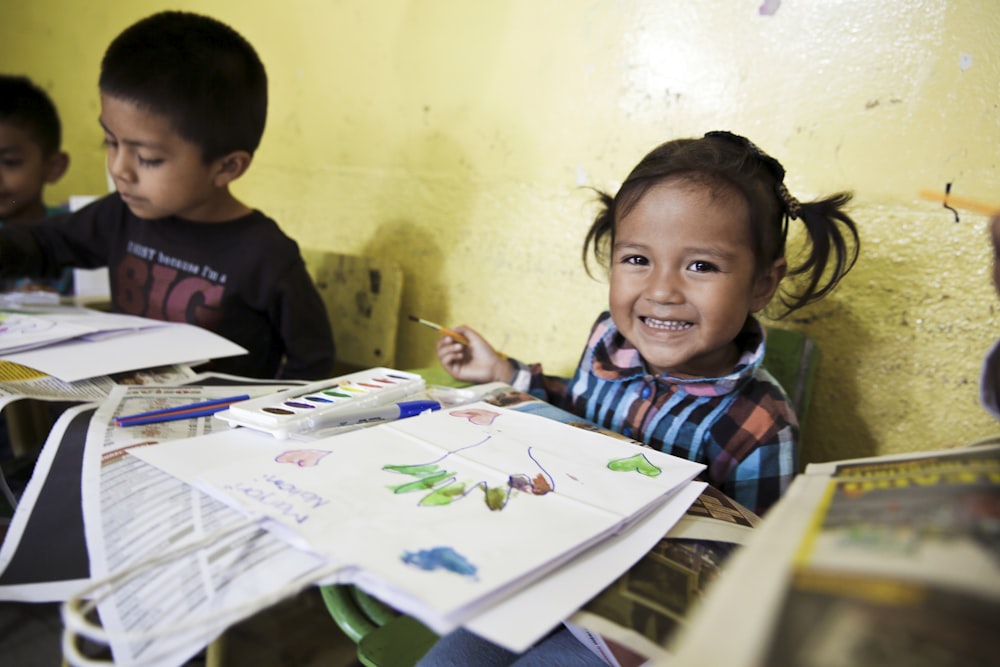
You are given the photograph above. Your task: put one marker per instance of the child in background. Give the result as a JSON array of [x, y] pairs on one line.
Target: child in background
[[30, 158], [695, 245], [989, 385], [183, 107]]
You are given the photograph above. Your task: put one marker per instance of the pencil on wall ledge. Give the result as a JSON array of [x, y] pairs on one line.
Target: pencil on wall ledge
[[960, 202]]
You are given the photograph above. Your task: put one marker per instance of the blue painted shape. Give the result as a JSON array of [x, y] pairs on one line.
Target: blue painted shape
[[438, 558]]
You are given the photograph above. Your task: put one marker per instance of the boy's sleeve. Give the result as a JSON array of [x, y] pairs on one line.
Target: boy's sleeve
[[44, 248], [305, 330], [22, 255]]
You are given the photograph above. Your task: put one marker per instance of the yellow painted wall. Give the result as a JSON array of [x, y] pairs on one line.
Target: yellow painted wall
[[455, 136]]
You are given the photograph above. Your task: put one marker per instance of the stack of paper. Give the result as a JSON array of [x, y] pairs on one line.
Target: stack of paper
[[446, 514], [75, 344], [23, 331], [524, 525]]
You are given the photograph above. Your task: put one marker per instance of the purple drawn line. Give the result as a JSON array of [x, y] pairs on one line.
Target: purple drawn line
[[552, 481]]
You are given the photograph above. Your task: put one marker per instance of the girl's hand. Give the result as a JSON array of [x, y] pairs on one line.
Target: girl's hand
[[476, 362]]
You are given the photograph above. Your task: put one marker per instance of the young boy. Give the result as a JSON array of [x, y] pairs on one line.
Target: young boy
[[30, 159], [183, 106]]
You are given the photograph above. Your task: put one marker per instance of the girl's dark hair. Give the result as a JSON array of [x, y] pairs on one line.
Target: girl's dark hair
[[731, 162], [199, 73]]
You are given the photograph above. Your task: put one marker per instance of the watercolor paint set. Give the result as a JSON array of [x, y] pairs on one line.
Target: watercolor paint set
[[296, 410]]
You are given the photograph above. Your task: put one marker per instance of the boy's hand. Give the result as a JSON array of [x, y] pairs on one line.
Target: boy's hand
[[476, 362]]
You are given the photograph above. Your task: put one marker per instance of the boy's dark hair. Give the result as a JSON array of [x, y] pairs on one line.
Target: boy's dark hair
[[199, 73], [727, 162], [27, 106]]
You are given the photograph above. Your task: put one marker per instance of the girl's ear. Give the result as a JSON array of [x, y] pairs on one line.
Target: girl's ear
[[229, 167], [55, 166], [767, 284]]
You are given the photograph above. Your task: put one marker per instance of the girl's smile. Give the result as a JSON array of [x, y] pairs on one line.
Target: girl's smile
[[666, 325]]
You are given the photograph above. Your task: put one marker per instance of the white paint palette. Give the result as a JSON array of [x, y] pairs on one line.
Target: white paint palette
[[289, 411]]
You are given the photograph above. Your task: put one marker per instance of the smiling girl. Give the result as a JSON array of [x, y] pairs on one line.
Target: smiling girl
[[694, 242]]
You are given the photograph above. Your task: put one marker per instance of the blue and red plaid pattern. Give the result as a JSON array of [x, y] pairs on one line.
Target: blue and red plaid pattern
[[741, 426]]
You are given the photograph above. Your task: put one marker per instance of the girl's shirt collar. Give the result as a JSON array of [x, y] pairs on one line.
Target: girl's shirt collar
[[614, 359]]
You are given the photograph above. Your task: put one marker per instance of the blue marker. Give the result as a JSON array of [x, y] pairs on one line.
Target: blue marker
[[361, 416]]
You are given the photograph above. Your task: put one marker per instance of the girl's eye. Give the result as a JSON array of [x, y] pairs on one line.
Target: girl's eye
[[637, 260], [700, 266], [149, 162]]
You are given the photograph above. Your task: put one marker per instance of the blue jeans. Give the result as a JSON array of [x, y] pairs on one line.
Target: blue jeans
[[461, 648]]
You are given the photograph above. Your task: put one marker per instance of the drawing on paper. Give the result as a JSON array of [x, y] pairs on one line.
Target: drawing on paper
[[443, 487], [440, 558], [303, 458], [477, 416], [12, 324], [336, 496], [636, 463]]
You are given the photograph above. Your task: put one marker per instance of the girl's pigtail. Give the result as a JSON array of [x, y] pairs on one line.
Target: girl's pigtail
[[834, 246], [600, 236]]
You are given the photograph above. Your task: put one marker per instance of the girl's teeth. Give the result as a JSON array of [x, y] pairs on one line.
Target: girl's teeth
[[669, 325]]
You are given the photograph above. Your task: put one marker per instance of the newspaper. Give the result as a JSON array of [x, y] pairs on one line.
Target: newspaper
[[30, 570], [112, 510], [881, 561], [17, 382], [133, 511]]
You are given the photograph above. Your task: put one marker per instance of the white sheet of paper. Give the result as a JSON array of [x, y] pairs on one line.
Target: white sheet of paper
[[162, 345], [525, 617], [406, 500], [20, 332]]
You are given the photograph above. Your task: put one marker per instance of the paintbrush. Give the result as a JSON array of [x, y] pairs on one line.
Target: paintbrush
[[443, 330]]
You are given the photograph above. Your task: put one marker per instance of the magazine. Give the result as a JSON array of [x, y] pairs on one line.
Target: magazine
[[883, 561]]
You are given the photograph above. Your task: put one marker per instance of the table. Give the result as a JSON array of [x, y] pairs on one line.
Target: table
[[635, 602]]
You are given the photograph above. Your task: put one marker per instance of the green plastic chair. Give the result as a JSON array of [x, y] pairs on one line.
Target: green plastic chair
[[386, 638], [791, 358]]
